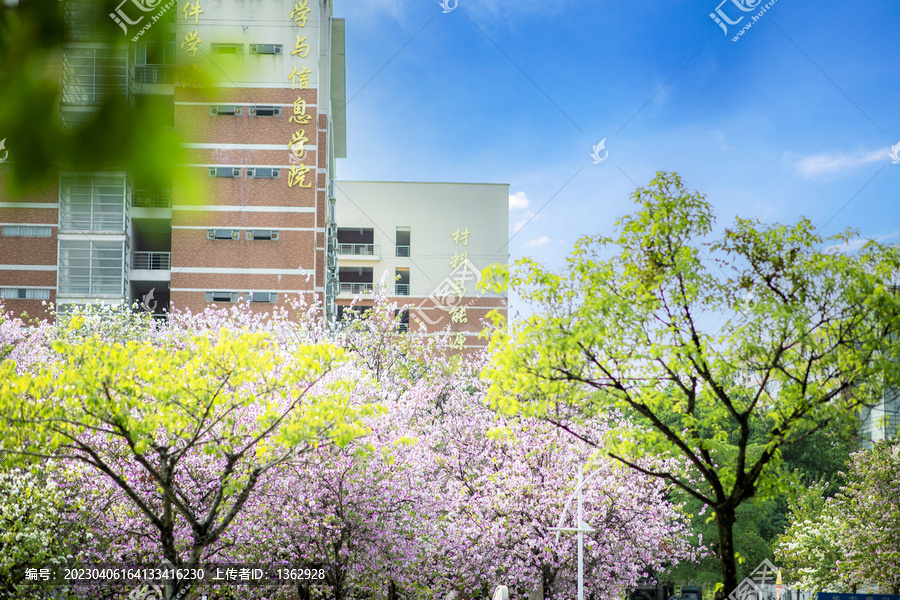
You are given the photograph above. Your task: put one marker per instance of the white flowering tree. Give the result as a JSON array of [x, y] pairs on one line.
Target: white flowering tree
[[36, 519], [853, 538], [812, 547]]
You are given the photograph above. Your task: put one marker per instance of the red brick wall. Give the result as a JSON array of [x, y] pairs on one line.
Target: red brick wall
[[294, 249], [194, 124], [28, 250], [29, 309]]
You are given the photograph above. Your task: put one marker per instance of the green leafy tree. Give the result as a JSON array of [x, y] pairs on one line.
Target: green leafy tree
[[812, 464], [42, 76], [728, 348]]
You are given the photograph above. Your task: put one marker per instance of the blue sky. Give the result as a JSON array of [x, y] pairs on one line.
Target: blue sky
[[796, 118]]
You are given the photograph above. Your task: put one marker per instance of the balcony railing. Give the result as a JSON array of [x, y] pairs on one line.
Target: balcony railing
[[356, 288], [90, 74], [403, 251], [145, 199], [401, 289], [154, 73], [90, 221], [359, 249], [90, 285], [151, 261]]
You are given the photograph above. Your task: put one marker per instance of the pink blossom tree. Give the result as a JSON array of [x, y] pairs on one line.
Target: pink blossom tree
[[183, 428], [367, 455]]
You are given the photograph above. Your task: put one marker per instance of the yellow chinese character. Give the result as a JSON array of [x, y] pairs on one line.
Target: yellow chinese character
[[458, 342], [300, 14], [458, 314], [193, 12], [298, 141], [300, 115], [460, 236], [191, 40], [297, 176], [459, 259], [302, 48], [191, 76], [300, 78]]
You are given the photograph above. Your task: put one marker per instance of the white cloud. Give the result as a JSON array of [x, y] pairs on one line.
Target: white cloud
[[538, 242], [826, 163], [522, 222], [720, 137], [518, 201], [857, 244]]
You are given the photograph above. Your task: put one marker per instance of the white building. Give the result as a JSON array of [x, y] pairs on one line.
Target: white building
[[429, 242]]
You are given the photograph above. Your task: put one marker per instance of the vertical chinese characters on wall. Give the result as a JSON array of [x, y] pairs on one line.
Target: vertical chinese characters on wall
[[299, 78], [459, 262], [190, 75]]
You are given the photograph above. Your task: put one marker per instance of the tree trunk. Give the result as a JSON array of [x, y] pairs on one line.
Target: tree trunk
[[725, 519], [392, 590], [303, 592], [338, 584]]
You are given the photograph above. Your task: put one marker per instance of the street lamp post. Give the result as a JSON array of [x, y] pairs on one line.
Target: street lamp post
[[580, 526]]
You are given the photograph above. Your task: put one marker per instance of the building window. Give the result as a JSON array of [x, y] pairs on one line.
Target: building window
[[265, 48], [271, 297], [90, 268], [26, 231], [228, 48], [265, 111], [402, 317], [262, 234], [401, 287], [24, 294], [402, 242], [92, 203], [356, 242], [91, 74], [154, 62], [230, 172], [225, 109], [355, 280], [223, 234], [223, 296], [263, 173]]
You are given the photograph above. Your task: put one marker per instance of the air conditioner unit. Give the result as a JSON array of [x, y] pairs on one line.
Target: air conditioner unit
[[230, 172], [262, 234], [227, 48], [223, 234], [222, 296], [225, 109], [264, 173], [265, 48], [265, 111]]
